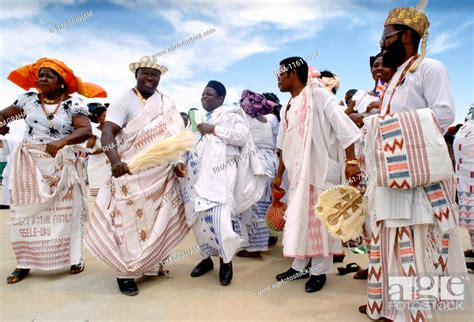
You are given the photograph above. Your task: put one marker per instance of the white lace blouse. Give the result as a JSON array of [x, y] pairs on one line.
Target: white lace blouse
[[37, 126]]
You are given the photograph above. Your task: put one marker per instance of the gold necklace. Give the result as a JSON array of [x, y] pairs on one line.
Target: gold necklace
[[48, 101], [140, 97], [50, 116]]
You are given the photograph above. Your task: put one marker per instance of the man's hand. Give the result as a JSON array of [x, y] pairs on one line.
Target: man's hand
[[358, 119], [353, 174], [53, 147], [180, 169], [119, 169], [276, 182], [206, 128]]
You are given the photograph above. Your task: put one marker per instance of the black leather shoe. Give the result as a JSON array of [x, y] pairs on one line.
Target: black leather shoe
[[127, 286], [203, 267], [272, 240], [315, 283], [225, 273], [291, 272]]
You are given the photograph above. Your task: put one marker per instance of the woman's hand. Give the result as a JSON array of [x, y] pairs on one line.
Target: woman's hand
[[53, 147]]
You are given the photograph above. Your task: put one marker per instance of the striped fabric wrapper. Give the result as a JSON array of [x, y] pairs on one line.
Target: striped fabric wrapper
[[463, 147], [48, 208], [410, 150], [441, 196]]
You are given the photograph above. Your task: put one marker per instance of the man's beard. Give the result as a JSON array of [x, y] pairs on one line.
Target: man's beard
[[394, 54]]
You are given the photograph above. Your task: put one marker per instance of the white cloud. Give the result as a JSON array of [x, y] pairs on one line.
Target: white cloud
[[98, 59], [13, 9], [442, 42], [102, 60], [447, 40], [243, 27], [103, 57]]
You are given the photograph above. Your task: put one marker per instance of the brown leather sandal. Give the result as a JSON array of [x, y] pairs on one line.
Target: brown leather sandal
[[17, 275], [363, 274]]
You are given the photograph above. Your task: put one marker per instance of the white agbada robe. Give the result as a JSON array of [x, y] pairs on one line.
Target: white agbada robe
[[312, 168], [428, 87], [213, 183]]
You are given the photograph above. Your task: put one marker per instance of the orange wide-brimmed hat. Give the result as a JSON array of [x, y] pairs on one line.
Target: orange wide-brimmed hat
[[26, 77]]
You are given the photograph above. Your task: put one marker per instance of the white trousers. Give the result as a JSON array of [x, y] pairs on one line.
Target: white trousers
[[319, 265]]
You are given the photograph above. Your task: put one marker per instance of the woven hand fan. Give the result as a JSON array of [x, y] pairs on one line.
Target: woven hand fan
[[342, 211], [169, 149], [275, 213]]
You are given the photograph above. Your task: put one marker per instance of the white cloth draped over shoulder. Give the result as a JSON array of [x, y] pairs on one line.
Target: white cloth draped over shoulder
[[313, 135], [217, 154], [225, 177]]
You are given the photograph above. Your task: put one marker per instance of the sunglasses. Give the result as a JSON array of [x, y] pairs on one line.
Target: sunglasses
[[384, 38]]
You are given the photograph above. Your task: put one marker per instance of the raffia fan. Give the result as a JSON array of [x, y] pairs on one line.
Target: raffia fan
[[169, 149], [342, 211]]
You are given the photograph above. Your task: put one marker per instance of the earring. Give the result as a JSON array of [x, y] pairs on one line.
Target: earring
[[62, 86]]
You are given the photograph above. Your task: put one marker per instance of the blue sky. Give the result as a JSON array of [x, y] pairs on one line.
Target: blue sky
[[251, 38]]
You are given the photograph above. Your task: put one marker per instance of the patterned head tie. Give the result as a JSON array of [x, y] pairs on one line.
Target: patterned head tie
[[256, 104]]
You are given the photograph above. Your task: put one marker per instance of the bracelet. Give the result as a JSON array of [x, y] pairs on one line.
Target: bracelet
[[353, 161]]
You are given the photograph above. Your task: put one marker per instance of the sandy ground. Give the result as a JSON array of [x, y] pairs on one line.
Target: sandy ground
[[94, 296]]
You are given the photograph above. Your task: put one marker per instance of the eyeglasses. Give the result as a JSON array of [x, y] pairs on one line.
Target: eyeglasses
[[384, 38]]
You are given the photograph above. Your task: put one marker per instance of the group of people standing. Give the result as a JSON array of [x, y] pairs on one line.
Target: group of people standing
[[312, 145]]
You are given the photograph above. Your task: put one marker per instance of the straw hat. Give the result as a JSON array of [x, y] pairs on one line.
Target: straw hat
[[148, 62]]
